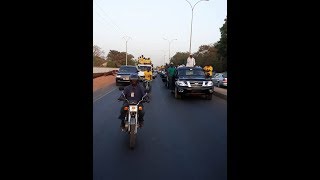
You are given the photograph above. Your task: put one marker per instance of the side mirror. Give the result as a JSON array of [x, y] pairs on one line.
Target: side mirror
[[121, 88]]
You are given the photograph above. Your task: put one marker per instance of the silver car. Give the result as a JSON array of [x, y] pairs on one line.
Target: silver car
[[220, 79]]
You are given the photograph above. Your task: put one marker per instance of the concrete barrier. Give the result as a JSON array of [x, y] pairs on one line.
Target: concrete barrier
[[101, 71]]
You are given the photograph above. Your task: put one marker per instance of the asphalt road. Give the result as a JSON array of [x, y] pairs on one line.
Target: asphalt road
[[181, 139]]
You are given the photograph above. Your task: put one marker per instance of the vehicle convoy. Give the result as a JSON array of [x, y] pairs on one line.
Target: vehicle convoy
[[192, 81], [132, 115]]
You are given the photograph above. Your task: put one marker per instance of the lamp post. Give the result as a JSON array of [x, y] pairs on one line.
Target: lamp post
[[170, 41], [127, 39], [192, 7]]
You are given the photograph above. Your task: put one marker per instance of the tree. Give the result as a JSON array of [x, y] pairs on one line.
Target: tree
[[98, 56], [112, 64], [119, 58], [206, 55], [180, 58], [222, 46], [97, 61], [212, 54], [97, 52]]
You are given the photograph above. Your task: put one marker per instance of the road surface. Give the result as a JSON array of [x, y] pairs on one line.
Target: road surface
[[181, 139]]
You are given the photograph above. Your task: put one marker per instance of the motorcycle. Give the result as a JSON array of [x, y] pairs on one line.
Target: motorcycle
[[131, 119], [147, 85]]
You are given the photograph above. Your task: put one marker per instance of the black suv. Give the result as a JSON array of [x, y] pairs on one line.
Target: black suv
[[192, 80], [124, 73]]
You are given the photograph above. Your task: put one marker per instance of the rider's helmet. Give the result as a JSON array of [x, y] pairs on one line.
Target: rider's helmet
[[134, 78]]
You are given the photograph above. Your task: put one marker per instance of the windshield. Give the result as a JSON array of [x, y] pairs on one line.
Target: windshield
[[128, 70], [191, 72], [143, 68]]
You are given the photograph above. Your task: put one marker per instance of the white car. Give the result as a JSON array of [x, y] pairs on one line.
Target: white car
[[220, 79]]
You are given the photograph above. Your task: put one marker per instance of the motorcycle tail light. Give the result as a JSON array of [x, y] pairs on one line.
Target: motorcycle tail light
[[140, 108], [126, 108]]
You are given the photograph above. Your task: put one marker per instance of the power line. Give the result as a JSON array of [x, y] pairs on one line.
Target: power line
[[103, 23], [110, 18], [106, 21], [115, 26]]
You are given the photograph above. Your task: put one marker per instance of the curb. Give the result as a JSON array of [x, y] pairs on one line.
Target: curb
[[223, 96]]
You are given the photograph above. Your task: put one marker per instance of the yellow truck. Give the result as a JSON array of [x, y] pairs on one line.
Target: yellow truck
[[143, 65]]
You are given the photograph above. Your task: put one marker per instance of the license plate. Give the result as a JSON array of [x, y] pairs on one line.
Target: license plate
[[125, 78], [133, 108]]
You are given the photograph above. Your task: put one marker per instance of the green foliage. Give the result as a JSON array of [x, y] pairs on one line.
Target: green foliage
[[112, 64], [97, 61], [213, 54], [206, 55], [222, 47], [119, 58], [115, 58], [180, 58], [222, 44]]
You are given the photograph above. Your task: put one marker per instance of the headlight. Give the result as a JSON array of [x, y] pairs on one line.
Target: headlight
[[118, 76], [208, 83], [181, 83]]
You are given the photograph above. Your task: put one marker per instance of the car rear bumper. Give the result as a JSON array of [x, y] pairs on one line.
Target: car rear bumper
[[121, 81]]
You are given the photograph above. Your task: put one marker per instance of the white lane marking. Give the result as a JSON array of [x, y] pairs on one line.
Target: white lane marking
[[105, 94]]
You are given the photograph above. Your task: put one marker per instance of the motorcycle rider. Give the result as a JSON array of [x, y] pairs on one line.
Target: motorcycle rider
[[134, 91], [148, 77]]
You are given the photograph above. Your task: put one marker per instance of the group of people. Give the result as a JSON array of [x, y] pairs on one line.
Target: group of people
[[144, 60]]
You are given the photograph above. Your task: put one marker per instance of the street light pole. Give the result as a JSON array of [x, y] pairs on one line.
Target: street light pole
[[192, 7], [169, 46], [127, 39]]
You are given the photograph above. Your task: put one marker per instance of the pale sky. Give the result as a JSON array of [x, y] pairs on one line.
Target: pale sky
[[147, 22]]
